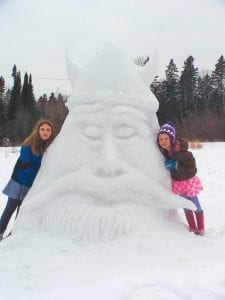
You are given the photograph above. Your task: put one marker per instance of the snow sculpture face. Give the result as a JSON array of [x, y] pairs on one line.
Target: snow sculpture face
[[103, 176]]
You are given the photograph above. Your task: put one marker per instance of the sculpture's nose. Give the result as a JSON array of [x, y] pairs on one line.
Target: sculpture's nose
[[109, 164]]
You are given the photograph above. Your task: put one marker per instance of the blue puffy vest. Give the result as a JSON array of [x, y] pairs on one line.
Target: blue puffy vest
[[26, 167]]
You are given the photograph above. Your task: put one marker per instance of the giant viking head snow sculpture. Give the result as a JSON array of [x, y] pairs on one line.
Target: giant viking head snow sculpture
[[103, 176]]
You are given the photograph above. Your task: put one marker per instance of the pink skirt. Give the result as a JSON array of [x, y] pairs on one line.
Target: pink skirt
[[190, 187]]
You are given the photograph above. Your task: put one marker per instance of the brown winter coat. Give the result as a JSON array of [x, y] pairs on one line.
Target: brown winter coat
[[186, 166]]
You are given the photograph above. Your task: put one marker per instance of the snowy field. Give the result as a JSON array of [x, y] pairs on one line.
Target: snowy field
[[169, 263]]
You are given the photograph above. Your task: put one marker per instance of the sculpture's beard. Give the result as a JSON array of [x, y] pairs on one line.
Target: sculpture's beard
[[94, 223], [89, 207]]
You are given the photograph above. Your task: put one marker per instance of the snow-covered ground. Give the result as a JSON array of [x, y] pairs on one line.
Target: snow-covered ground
[[168, 263]]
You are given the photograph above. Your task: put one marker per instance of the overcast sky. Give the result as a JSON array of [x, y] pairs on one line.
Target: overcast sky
[[35, 34]]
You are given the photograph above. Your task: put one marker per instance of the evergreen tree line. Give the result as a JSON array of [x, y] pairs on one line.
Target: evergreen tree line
[[194, 103], [19, 110]]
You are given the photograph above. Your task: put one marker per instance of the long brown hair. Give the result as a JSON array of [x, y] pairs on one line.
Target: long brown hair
[[38, 146]]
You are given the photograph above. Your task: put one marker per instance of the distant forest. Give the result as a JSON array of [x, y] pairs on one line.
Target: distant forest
[[194, 102], [20, 110]]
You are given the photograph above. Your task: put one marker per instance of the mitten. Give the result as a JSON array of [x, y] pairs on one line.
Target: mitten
[[171, 164]]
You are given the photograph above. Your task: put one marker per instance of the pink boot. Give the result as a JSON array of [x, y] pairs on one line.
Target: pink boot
[[191, 222], [200, 222]]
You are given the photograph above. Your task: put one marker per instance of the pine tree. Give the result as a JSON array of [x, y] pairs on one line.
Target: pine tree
[[25, 99], [52, 97], [27, 95], [15, 96], [2, 95], [3, 117], [14, 105], [204, 94], [188, 86], [31, 90], [171, 91], [2, 88], [7, 96], [28, 112], [218, 86]]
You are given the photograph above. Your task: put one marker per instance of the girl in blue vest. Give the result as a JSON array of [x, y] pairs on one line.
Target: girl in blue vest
[[26, 169]]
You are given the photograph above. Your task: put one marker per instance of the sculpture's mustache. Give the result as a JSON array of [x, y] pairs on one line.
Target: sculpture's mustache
[[102, 184], [121, 187], [107, 181]]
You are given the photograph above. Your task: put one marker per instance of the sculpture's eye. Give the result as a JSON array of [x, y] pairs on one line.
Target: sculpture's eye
[[125, 132], [92, 132]]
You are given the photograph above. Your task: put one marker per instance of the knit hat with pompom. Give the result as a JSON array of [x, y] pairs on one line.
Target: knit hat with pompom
[[169, 129]]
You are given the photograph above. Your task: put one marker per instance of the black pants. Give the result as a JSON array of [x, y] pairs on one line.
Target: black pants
[[11, 206]]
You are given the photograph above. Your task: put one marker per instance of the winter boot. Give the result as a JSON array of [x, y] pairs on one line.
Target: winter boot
[[191, 222], [200, 222]]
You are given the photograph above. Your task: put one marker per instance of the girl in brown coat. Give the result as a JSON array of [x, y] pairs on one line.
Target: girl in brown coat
[[181, 164]]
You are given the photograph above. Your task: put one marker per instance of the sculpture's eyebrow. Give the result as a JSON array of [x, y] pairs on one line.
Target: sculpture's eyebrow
[[116, 109], [89, 107], [131, 110]]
